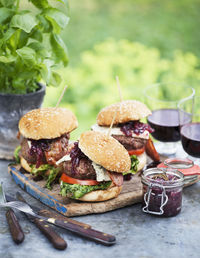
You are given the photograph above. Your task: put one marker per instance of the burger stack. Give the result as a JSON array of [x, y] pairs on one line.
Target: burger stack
[[92, 168]]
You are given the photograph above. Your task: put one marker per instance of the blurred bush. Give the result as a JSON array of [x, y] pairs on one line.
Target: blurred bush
[[92, 82]]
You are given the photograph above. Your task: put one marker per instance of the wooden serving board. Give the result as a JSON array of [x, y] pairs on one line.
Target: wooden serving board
[[131, 194]]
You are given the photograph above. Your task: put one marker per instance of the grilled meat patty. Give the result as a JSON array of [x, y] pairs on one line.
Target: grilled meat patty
[[130, 143], [56, 149], [84, 170], [25, 152]]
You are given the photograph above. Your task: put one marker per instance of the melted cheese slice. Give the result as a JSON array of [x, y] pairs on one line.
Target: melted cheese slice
[[117, 131], [101, 173]]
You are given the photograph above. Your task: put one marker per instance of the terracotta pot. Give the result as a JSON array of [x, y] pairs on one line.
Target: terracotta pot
[[12, 108]]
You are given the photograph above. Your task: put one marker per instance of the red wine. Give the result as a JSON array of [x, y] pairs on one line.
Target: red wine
[[165, 123], [190, 137]]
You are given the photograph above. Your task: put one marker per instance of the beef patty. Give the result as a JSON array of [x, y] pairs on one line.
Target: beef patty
[[84, 170], [130, 143], [56, 149]]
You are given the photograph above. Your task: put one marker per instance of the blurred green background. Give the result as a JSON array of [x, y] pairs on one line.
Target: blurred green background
[[141, 41]]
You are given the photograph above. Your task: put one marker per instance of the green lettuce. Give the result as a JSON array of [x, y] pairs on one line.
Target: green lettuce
[[53, 172], [16, 154], [76, 191], [134, 165]]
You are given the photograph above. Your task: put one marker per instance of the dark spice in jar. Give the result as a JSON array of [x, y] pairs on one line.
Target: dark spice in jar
[[162, 192]]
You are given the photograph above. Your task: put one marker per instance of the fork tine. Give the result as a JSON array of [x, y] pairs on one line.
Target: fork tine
[[23, 207]]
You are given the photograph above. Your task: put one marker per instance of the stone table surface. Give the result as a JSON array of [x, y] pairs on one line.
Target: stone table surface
[[138, 234]]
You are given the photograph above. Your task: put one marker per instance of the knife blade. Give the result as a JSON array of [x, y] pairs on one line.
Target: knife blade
[[57, 241], [13, 223]]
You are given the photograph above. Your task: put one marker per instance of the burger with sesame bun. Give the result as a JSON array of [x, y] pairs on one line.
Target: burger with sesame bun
[[92, 171], [45, 134], [129, 130]]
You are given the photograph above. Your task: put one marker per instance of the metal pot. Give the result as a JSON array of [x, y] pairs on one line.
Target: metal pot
[[12, 108]]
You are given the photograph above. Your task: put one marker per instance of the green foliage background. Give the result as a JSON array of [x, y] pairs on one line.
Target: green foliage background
[[30, 44], [141, 41]]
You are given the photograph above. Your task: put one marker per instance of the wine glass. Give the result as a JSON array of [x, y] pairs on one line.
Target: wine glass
[[190, 130], [163, 99]]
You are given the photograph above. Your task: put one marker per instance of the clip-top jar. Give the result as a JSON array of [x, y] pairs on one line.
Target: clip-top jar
[[162, 189]]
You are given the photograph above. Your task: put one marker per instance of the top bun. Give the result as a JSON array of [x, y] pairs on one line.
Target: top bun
[[127, 110], [47, 123], [105, 151]]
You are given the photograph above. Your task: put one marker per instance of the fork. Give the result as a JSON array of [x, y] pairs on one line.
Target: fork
[[89, 233], [21, 206]]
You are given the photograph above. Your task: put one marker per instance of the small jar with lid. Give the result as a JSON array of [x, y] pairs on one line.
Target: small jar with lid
[[162, 191]]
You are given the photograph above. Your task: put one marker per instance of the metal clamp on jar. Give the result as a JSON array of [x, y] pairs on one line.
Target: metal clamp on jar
[[162, 188]]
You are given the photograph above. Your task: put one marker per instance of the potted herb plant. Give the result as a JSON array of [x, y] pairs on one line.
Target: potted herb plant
[[31, 50]]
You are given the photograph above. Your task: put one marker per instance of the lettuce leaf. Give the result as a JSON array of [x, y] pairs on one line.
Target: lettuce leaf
[[36, 171], [134, 165], [76, 191], [50, 178], [16, 154]]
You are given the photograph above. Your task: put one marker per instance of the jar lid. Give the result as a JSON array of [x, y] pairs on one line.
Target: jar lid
[[167, 177], [185, 166], [179, 163]]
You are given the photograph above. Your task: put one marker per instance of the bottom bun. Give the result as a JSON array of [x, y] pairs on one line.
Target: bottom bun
[[25, 165], [142, 161], [102, 195]]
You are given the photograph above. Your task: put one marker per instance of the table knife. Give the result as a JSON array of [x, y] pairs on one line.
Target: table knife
[[57, 241], [89, 233], [13, 223], [51, 214]]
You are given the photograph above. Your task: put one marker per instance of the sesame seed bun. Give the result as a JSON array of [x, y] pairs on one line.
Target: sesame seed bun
[[105, 151], [128, 110], [102, 195], [25, 165], [47, 123]]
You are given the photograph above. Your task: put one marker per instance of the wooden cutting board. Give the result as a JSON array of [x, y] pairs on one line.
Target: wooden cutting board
[[131, 194]]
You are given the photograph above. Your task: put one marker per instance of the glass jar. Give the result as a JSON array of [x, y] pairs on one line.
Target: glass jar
[[162, 191]]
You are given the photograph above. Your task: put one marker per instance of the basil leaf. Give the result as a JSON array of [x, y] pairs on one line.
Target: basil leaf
[[25, 21], [7, 59], [57, 19], [8, 34], [27, 54], [40, 4], [59, 49], [7, 3], [39, 48], [5, 13], [55, 79]]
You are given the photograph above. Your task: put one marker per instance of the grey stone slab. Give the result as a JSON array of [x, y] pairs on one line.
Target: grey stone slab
[[138, 234]]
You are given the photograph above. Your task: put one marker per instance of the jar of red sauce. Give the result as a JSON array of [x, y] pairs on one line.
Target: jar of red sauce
[[162, 191]]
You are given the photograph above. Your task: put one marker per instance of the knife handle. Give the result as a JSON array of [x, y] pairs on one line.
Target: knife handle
[[57, 241], [51, 214], [86, 232], [15, 228]]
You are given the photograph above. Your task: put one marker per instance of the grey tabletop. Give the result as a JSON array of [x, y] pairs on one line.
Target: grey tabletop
[[138, 234]]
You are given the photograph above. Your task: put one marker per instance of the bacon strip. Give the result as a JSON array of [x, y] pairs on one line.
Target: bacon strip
[[116, 178]]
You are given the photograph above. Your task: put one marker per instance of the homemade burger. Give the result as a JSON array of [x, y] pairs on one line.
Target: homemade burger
[[45, 139], [92, 171], [128, 130]]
